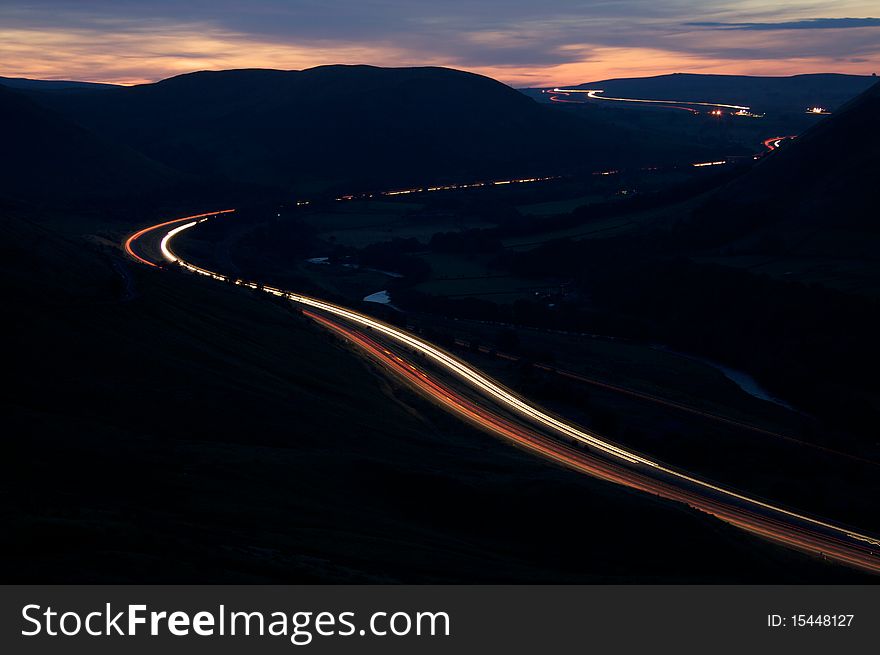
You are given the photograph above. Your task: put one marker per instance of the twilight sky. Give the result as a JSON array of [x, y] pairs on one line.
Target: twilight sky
[[521, 42]]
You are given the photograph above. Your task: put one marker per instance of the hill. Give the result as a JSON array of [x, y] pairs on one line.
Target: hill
[[826, 176], [775, 273], [48, 85], [763, 93], [807, 212], [50, 160], [350, 125]]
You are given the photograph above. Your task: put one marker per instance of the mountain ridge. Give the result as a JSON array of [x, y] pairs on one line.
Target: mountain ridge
[[349, 126]]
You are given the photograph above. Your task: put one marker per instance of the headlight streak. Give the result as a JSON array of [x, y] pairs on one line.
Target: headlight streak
[[163, 245], [774, 142], [594, 95], [566, 455], [444, 187], [137, 235], [823, 543]]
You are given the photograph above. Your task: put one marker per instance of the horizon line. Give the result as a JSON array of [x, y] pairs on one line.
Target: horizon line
[[463, 70]]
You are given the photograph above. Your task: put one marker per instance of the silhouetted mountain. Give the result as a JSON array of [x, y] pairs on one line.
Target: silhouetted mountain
[[51, 85], [50, 160], [349, 125], [774, 94]]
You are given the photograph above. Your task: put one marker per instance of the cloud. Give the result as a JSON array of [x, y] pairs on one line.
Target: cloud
[[806, 24], [517, 41], [135, 56]]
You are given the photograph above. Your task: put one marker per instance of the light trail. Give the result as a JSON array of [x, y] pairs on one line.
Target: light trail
[[624, 466], [163, 245], [774, 142], [593, 94], [557, 98], [137, 235], [444, 187], [641, 395], [785, 534]]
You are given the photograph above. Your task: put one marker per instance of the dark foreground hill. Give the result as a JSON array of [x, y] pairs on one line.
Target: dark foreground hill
[[338, 126], [47, 158]]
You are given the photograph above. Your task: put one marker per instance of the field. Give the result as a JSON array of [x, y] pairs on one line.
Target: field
[[360, 223], [604, 227], [835, 258], [456, 276]]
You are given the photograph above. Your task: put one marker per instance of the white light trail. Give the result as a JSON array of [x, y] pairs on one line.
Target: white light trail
[[163, 246], [501, 394], [593, 94]]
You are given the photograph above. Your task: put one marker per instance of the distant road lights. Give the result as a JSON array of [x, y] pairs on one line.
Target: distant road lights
[[748, 114], [594, 94], [818, 110]]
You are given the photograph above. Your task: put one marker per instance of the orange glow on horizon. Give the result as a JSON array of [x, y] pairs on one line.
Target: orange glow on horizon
[[91, 55]]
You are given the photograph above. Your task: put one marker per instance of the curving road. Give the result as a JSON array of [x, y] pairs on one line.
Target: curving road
[[557, 97], [475, 397], [774, 142], [687, 105]]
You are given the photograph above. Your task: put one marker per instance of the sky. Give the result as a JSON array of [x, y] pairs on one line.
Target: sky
[[520, 42]]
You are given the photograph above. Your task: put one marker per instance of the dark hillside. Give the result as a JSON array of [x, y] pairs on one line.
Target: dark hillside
[[49, 160], [351, 125], [827, 177]]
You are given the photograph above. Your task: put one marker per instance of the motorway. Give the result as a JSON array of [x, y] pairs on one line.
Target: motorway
[[670, 404], [774, 142], [558, 97], [466, 392], [687, 105]]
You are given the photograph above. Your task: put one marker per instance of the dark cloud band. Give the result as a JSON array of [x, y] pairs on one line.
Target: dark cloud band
[[807, 24]]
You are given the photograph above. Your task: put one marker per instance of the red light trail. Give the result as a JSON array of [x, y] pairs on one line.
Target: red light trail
[[505, 413]]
